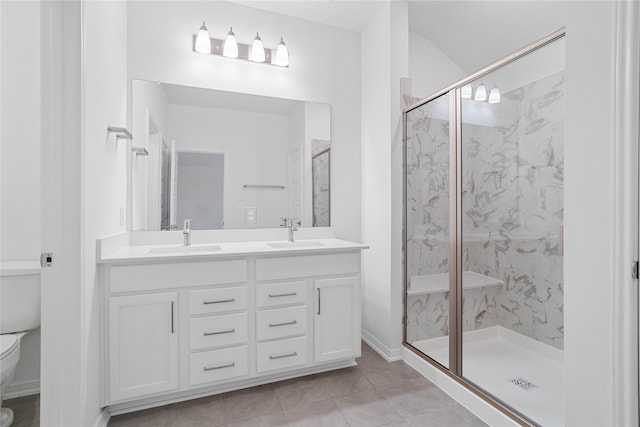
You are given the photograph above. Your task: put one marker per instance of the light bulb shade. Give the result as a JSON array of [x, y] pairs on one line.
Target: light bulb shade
[[282, 54], [203, 41], [257, 50], [481, 93], [494, 96], [230, 49], [465, 92]]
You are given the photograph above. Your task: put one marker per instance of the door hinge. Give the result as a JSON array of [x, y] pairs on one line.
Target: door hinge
[[634, 270], [46, 259]]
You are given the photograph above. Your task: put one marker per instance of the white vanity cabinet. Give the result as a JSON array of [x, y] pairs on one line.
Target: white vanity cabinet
[[143, 344], [336, 325], [185, 327]]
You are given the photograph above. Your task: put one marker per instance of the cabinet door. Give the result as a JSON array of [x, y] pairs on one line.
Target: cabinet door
[[143, 345], [336, 318]]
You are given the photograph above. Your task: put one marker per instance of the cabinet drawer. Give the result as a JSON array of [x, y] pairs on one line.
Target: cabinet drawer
[[275, 294], [217, 300], [217, 331], [152, 277], [281, 322], [281, 354], [293, 267], [218, 365]]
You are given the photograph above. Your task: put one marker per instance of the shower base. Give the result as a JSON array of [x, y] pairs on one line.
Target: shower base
[[522, 372]]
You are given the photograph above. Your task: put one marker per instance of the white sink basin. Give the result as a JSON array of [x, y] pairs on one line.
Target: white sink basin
[[297, 244], [180, 249]]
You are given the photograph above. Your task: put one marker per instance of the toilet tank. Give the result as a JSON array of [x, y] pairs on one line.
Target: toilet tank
[[19, 296]]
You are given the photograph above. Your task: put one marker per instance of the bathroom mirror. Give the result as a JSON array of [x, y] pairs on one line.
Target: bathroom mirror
[[226, 160]]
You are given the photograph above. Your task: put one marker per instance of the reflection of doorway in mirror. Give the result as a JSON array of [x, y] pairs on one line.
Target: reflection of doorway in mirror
[[200, 189], [320, 165]]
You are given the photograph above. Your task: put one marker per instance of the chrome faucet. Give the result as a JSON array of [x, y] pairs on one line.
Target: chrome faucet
[[293, 226], [186, 232]]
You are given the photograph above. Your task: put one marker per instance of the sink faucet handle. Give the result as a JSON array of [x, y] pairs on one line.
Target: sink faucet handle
[[295, 223], [187, 225], [284, 222]]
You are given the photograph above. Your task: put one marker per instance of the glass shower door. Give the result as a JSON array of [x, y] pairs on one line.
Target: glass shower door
[[427, 228], [512, 157]]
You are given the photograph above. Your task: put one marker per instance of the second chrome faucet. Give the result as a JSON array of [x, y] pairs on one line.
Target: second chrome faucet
[[292, 225]]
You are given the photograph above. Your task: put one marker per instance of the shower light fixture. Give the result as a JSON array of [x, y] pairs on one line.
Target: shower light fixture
[[230, 45], [203, 41], [230, 48], [481, 93], [494, 96], [257, 49], [465, 92]]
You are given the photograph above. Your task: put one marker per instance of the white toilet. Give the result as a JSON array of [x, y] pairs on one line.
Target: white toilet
[[19, 313]]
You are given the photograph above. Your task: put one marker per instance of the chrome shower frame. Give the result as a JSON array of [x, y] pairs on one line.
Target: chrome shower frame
[[455, 237]]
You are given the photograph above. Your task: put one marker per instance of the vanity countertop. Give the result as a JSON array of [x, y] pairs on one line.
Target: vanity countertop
[[145, 253]]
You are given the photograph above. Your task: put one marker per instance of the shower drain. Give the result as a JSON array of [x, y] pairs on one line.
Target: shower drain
[[522, 383]]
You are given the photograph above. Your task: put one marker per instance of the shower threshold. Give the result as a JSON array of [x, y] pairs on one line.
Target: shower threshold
[[522, 372]]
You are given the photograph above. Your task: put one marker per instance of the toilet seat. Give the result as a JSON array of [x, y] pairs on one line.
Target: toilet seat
[[8, 344]]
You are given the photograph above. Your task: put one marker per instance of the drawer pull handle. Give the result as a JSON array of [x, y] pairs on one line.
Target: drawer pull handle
[[173, 329], [291, 294], [213, 368], [230, 331], [219, 301], [283, 356], [273, 325]]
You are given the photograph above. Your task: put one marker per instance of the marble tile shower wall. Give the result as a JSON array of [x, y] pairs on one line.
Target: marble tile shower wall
[[512, 208]]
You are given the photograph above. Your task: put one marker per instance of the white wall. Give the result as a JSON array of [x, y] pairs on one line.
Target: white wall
[[104, 173], [430, 69], [256, 147], [20, 129], [325, 67], [589, 214], [384, 62]]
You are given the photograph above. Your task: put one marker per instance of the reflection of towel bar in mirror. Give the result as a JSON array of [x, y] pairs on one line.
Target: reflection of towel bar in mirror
[[121, 133], [281, 187], [139, 151]]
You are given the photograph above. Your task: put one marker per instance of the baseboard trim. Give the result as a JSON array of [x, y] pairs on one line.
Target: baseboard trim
[[25, 388], [389, 354], [103, 418]]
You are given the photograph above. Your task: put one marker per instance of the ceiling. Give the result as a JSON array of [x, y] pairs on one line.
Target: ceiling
[[351, 15], [472, 33]]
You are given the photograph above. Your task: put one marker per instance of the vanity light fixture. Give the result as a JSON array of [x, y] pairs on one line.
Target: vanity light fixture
[[257, 49], [481, 93], [230, 48], [230, 45], [282, 54], [203, 41], [494, 96], [465, 92]]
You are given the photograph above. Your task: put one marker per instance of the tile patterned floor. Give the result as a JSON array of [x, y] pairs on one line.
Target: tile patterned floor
[[375, 393], [26, 410]]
